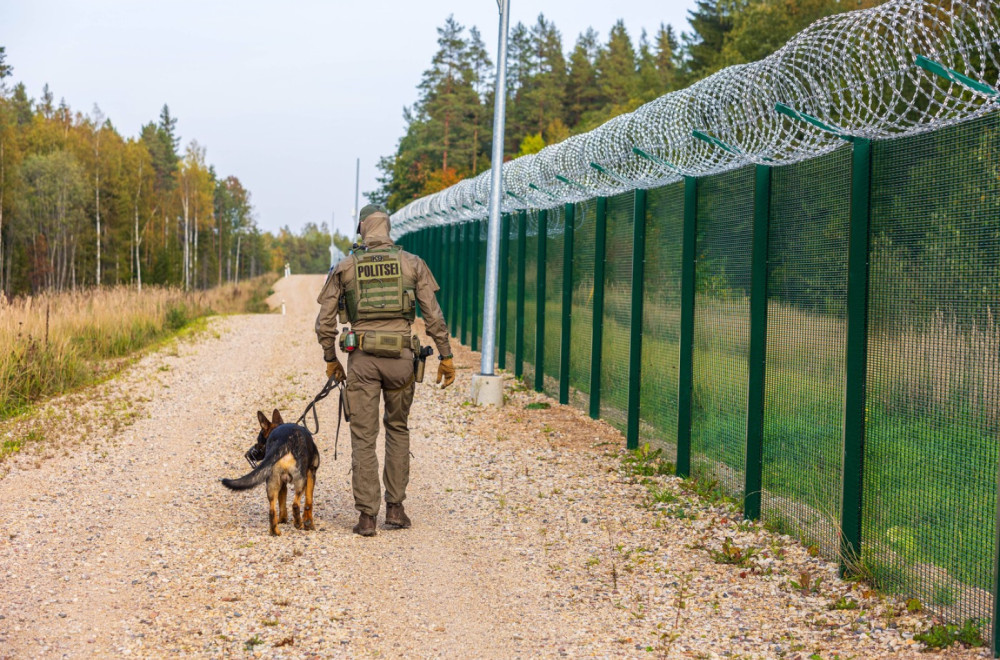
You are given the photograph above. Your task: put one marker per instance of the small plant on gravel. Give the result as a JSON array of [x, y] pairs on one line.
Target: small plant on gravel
[[733, 554], [942, 636], [10, 447], [646, 462], [843, 603], [680, 513], [659, 495], [252, 642], [517, 385], [667, 637], [269, 622], [538, 405], [708, 489], [806, 584]]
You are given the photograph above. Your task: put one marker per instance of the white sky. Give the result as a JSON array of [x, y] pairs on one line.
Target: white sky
[[284, 95]]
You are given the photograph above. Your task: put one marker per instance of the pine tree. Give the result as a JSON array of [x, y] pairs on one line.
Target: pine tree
[[582, 92], [711, 21], [617, 74], [668, 58]]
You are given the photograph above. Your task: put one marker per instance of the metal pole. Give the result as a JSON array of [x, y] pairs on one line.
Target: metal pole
[[357, 186], [333, 231], [496, 181]]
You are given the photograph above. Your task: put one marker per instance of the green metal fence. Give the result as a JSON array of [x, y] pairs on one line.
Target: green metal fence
[[820, 338]]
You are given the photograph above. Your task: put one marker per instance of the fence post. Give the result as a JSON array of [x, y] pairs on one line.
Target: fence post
[[685, 367], [522, 221], [753, 483], [474, 309], [635, 334], [857, 355], [543, 230], [502, 299], [569, 220], [446, 274], [463, 283], [456, 257], [597, 318]]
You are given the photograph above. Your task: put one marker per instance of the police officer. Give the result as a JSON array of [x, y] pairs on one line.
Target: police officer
[[377, 289]]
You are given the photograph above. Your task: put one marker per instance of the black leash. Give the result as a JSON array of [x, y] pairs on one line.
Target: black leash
[[331, 385]]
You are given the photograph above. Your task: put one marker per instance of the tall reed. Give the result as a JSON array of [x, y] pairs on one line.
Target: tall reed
[[52, 343]]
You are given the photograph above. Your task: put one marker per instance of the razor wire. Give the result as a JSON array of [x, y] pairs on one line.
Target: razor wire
[[904, 67]]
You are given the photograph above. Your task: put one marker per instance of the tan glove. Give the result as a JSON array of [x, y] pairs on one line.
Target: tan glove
[[334, 370], [446, 370]]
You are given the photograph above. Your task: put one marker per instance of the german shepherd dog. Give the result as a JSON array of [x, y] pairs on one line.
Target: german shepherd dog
[[290, 455]]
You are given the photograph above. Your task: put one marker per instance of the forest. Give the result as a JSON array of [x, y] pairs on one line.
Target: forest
[[553, 94], [81, 205]]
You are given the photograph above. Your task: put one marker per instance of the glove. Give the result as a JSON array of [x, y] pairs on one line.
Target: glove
[[446, 370], [334, 370]]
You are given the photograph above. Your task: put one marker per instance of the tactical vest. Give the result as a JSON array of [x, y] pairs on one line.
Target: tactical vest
[[379, 290]]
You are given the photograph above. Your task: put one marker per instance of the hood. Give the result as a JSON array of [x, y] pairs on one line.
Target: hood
[[375, 230]]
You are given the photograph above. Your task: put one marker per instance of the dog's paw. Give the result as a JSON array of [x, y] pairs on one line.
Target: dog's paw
[[298, 524], [309, 525], [275, 532]]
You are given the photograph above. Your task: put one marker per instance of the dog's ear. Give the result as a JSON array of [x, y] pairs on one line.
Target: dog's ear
[[264, 424], [276, 418]]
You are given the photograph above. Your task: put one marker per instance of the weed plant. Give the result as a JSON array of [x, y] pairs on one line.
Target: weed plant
[[944, 635]]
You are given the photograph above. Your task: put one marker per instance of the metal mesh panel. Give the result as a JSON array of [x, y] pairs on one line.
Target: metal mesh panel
[[511, 291], [582, 314], [530, 296], [804, 386], [553, 300], [933, 401], [722, 328], [661, 317], [617, 310]]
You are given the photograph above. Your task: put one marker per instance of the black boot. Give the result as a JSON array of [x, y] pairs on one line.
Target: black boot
[[395, 516]]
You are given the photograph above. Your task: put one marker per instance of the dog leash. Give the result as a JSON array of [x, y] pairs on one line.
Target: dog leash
[[330, 385]]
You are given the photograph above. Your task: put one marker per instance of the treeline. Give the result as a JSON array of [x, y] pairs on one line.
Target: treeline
[[309, 250], [552, 94], [82, 205]]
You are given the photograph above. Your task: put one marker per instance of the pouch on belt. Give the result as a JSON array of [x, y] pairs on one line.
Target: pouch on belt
[[383, 344]]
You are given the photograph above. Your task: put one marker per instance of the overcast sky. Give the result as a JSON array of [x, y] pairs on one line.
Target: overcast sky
[[284, 95]]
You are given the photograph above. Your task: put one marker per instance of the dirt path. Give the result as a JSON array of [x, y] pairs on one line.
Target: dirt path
[[526, 540]]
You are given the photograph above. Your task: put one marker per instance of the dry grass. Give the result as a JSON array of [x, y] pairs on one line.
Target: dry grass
[[55, 342], [942, 366]]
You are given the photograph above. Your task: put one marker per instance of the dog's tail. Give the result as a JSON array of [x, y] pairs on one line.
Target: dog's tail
[[258, 476]]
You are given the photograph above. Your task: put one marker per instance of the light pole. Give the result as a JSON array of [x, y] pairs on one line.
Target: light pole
[[486, 386], [357, 185]]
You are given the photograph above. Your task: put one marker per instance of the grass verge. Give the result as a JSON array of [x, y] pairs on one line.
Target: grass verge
[[55, 343]]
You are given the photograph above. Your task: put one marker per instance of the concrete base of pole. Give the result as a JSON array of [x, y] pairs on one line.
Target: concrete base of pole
[[486, 390]]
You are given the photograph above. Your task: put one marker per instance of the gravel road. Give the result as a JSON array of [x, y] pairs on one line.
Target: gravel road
[[528, 540]]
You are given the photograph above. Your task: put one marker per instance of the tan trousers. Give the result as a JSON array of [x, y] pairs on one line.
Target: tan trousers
[[368, 377]]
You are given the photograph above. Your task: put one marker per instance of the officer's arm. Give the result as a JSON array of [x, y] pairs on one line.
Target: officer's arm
[[326, 322], [434, 321]]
